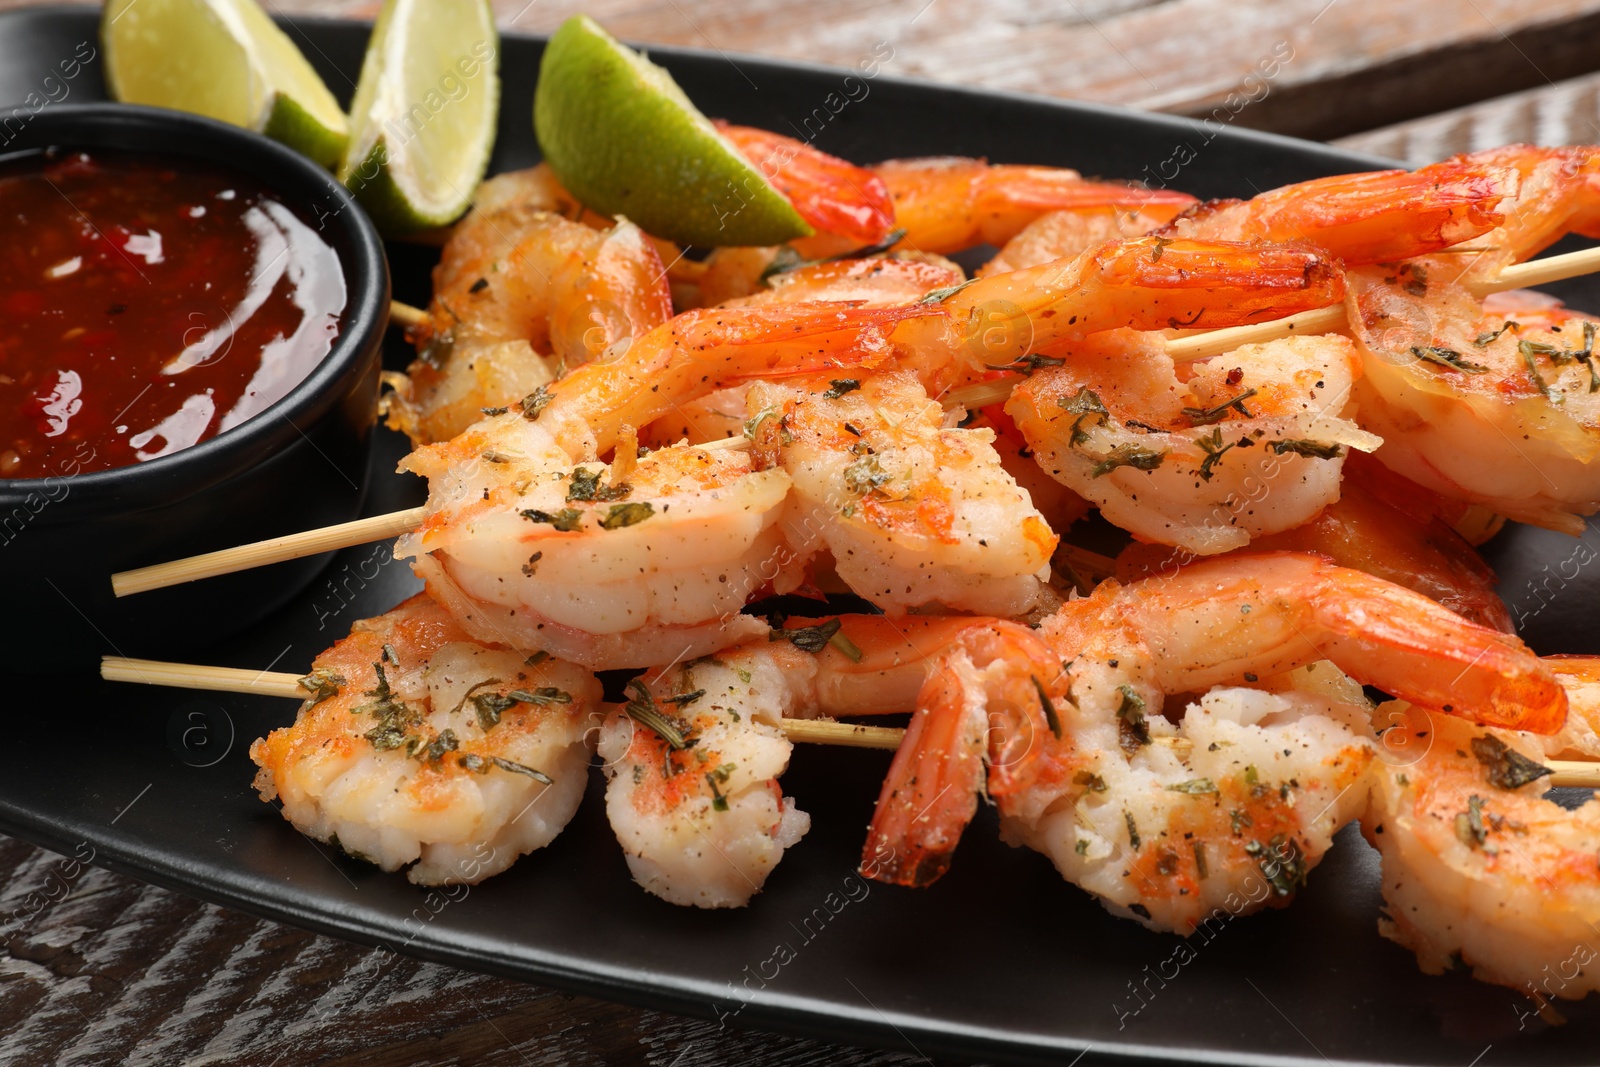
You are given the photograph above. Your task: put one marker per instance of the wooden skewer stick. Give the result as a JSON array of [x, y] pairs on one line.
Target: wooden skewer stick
[[1321, 320], [406, 316], [298, 545], [279, 684], [272, 550]]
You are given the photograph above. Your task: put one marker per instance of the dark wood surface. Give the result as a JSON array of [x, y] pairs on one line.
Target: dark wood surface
[[96, 968]]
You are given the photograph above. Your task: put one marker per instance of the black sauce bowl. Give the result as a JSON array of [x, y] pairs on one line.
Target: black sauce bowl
[[302, 463]]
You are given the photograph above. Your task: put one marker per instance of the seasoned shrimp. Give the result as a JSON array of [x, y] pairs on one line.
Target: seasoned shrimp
[[1375, 217], [945, 204], [1146, 283], [693, 757], [1251, 444], [1478, 869], [420, 746], [1166, 824], [1359, 530], [1475, 406], [916, 513], [533, 542], [520, 295], [1085, 688]]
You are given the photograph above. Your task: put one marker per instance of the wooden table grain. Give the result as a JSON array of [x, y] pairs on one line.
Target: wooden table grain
[[96, 968]]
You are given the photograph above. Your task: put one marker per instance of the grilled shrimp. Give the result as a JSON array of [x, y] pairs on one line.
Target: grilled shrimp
[[946, 203], [533, 542], [1361, 531], [1375, 217], [916, 513], [1058, 711], [421, 746], [693, 757], [1251, 444], [1478, 406], [520, 295], [1479, 870]]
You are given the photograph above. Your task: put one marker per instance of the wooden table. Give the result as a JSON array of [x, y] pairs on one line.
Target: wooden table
[[107, 970]]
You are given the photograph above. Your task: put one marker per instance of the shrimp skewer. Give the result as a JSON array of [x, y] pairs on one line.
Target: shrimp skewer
[[1099, 670], [420, 747]]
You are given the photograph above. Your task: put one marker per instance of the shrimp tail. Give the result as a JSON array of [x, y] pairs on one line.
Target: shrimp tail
[[985, 702], [1474, 671], [833, 195]]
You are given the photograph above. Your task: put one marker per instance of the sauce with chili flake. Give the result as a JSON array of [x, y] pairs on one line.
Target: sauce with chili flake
[[147, 304]]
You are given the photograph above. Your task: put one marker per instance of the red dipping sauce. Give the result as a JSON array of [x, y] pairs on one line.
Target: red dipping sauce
[[147, 304]]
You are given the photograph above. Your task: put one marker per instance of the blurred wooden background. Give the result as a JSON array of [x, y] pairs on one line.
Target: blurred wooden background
[[118, 972]]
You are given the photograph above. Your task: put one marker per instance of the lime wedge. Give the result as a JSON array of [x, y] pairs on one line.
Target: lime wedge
[[224, 59], [424, 113], [625, 140]]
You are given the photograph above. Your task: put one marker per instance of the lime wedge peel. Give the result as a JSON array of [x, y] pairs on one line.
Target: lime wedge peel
[[424, 114], [240, 68], [625, 140]]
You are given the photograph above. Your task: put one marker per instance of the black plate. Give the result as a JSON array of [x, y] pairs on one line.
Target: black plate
[[1000, 960]]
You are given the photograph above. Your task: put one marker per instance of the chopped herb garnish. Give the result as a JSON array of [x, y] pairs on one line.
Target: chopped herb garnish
[[846, 646], [1089, 779], [622, 515], [513, 767], [1195, 786], [838, 387], [1528, 350], [753, 423], [684, 698], [939, 296], [1486, 338], [536, 658], [492, 412], [1309, 449], [445, 742], [1200, 860], [1081, 847], [1132, 730], [1447, 357], [395, 717], [567, 520], [865, 475], [529, 567], [1206, 416], [1508, 768], [1133, 828], [1470, 828], [388, 654], [1214, 449], [322, 684], [806, 638], [1281, 863], [535, 402], [642, 710], [1050, 717], [718, 801], [1084, 403], [1026, 365], [1160, 246], [479, 286], [1135, 456], [586, 486]]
